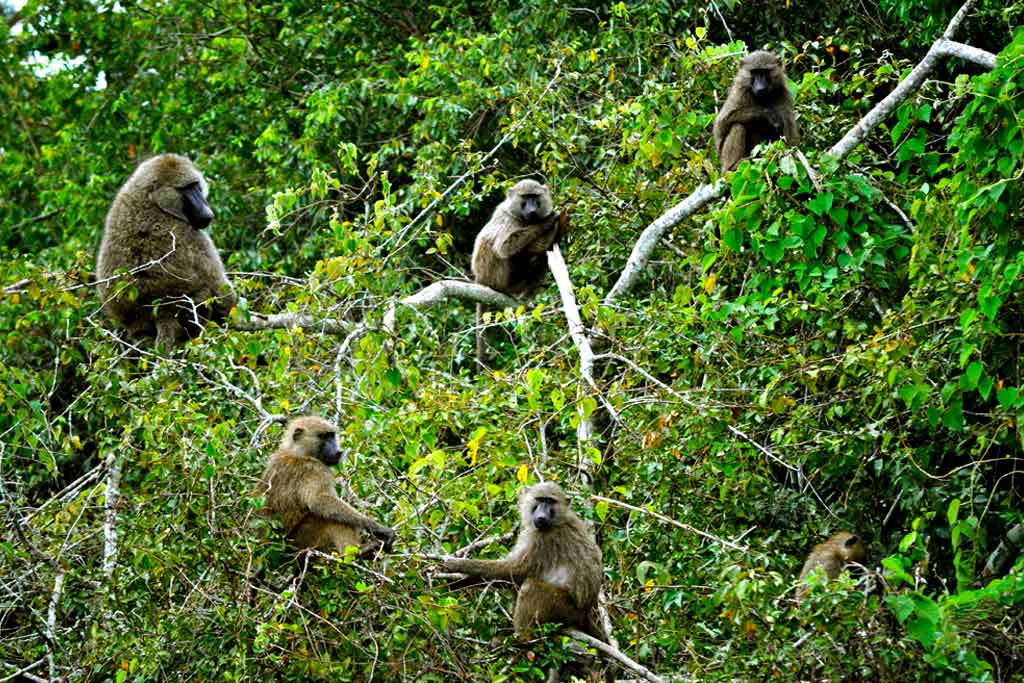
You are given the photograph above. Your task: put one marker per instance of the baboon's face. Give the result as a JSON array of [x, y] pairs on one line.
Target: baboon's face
[[543, 506], [318, 440], [531, 201], [180, 189], [765, 75], [850, 547]]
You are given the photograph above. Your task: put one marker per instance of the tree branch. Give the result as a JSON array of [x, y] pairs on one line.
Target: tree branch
[[110, 515], [943, 47], [669, 520], [613, 655], [259, 321], [653, 233], [443, 290]]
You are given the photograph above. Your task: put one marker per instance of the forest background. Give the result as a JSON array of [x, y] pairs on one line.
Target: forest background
[[829, 345]]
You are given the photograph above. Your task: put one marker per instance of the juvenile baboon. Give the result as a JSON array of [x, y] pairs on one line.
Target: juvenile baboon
[[508, 254], [831, 556], [759, 108], [555, 564], [299, 487], [154, 230]]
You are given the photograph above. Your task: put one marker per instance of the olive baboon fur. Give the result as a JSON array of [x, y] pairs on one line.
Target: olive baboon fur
[[508, 254], [510, 247], [154, 230], [831, 556], [555, 564], [759, 108], [299, 487]]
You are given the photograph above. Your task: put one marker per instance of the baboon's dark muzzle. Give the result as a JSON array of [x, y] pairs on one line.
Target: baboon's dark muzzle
[[195, 207]]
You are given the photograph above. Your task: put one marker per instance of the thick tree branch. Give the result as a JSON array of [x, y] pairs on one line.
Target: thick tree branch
[[613, 655], [110, 515], [943, 47], [653, 233], [289, 320], [448, 289]]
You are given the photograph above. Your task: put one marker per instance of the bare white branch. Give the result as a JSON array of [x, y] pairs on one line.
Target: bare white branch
[[110, 515], [290, 320], [653, 233], [941, 48], [51, 622], [443, 290], [669, 520], [613, 654]]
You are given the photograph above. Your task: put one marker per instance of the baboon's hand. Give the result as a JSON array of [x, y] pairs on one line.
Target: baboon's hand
[[386, 536]]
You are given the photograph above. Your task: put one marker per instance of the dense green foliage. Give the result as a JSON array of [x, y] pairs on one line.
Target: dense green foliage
[[805, 356]]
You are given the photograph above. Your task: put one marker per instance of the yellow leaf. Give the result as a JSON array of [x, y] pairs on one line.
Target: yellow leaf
[[425, 61], [522, 474], [593, 55], [284, 403], [691, 43], [611, 74], [440, 221], [76, 442], [709, 283]]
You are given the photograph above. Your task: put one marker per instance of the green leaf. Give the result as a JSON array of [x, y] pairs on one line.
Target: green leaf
[[953, 511], [1007, 397]]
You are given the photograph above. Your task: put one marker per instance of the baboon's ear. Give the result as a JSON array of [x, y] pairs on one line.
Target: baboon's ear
[[852, 541], [297, 434], [169, 201]]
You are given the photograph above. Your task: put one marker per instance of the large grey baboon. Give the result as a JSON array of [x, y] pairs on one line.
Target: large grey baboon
[[299, 487], [154, 230], [759, 108]]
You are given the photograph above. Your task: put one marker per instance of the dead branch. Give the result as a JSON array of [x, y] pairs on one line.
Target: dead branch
[[613, 655], [703, 195], [51, 622], [110, 515], [444, 290], [943, 47], [291, 320]]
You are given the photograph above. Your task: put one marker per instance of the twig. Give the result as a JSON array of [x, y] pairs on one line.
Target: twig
[[612, 654], [669, 520], [482, 543], [23, 672]]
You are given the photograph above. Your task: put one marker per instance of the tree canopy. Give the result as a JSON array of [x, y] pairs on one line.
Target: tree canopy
[[819, 341]]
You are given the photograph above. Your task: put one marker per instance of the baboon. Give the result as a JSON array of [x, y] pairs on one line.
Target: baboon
[[831, 556], [555, 564], [154, 230], [508, 254], [299, 487], [759, 107]]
